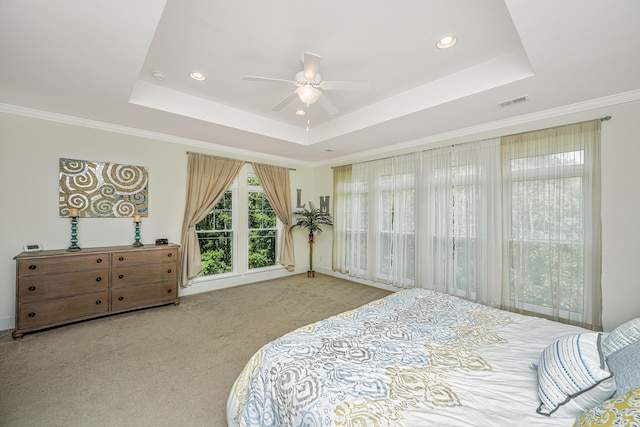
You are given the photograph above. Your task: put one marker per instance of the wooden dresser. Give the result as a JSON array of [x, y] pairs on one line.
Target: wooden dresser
[[56, 287]]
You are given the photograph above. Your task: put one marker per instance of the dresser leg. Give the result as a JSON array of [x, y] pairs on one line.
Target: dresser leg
[[17, 335], [177, 302]]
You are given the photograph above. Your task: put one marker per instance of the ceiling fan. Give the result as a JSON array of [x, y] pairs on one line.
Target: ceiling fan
[[309, 85]]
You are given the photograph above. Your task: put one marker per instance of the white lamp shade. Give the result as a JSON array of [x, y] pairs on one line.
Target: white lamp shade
[[308, 94]]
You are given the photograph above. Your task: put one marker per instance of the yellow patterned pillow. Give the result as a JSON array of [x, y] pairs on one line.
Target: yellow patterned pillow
[[619, 411]]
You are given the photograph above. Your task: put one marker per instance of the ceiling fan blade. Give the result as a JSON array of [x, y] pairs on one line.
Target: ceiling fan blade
[[351, 86], [311, 63], [268, 79], [328, 106], [280, 105]]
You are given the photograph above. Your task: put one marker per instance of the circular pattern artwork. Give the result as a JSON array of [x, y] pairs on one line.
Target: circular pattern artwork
[[103, 190]]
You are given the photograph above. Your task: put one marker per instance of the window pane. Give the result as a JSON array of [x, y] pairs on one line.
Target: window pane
[[261, 214], [216, 252], [262, 248], [547, 209], [215, 237], [542, 273], [546, 161], [262, 230], [220, 217]]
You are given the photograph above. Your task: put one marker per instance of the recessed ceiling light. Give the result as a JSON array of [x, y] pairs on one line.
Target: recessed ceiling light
[[446, 42], [158, 75], [197, 76], [300, 112]]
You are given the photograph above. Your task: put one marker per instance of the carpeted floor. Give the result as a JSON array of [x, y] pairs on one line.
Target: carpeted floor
[[165, 366]]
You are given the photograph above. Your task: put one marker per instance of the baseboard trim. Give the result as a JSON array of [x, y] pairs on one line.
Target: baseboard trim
[[373, 284], [239, 280]]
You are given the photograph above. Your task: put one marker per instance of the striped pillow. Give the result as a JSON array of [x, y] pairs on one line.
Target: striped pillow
[[573, 376], [622, 336]]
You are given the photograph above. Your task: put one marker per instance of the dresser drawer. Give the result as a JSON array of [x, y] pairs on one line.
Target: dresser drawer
[[134, 257], [141, 274], [62, 309], [61, 264], [47, 286], [144, 295]]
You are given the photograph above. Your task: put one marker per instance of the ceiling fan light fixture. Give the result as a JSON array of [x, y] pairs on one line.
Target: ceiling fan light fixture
[[308, 94], [446, 42]]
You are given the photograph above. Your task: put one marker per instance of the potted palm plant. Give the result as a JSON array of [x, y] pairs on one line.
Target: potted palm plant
[[312, 219]]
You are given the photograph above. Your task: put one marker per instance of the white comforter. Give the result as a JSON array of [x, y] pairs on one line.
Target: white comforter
[[415, 358]]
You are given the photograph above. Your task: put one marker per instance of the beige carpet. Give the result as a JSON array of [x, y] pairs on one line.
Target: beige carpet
[[165, 366]]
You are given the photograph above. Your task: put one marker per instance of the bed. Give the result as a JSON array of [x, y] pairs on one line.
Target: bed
[[414, 358]]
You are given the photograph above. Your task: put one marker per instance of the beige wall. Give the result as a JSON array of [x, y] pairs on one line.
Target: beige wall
[[30, 149], [29, 153]]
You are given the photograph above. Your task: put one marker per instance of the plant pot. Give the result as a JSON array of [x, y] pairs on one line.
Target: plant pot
[[311, 274]]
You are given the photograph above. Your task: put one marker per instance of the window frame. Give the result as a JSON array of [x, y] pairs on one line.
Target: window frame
[[277, 229], [541, 174], [233, 188]]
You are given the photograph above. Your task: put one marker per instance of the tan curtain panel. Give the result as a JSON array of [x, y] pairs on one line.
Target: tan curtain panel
[[208, 177], [551, 197], [275, 183], [341, 210]]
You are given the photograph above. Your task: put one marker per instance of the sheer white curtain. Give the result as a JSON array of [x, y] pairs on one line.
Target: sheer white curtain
[[376, 240], [369, 205], [403, 213], [551, 212], [477, 228], [434, 251], [459, 239], [427, 219]]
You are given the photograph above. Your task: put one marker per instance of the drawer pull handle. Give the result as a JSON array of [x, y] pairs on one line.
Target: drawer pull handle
[[33, 267], [169, 255], [120, 298], [169, 291], [121, 258], [98, 279], [32, 314], [169, 271], [99, 302], [99, 260], [121, 276], [32, 288]]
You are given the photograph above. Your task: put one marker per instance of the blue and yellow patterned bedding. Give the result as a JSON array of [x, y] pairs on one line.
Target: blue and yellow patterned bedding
[[413, 358]]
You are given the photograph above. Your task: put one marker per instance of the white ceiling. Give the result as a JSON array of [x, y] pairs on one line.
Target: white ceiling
[[92, 62]]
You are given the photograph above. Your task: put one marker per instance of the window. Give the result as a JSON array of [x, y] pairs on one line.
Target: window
[[263, 227], [546, 233], [216, 237], [426, 220], [226, 248], [513, 222], [551, 215]]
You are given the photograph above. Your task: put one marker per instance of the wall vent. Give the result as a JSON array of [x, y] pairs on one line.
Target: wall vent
[[513, 101]]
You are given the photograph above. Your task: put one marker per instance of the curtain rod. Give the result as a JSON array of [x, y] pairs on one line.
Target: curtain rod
[[602, 119], [246, 161]]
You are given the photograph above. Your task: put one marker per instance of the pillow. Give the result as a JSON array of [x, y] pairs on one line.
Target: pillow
[[572, 376], [622, 336], [624, 364], [618, 411]]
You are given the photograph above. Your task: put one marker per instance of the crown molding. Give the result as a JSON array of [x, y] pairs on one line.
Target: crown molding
[[432, 139], [491, 126], [94, 124]]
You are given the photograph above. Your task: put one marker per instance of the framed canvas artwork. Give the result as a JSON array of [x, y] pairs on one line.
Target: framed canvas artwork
[[103, 189]]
